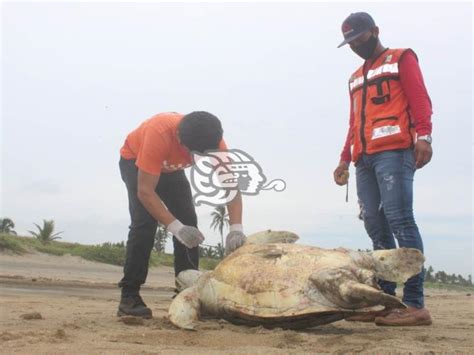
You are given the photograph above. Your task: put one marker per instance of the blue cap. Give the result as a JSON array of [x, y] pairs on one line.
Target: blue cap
[[355, 25]]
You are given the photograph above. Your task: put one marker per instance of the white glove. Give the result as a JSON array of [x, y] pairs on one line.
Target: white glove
[[189, 236], [235, 239]]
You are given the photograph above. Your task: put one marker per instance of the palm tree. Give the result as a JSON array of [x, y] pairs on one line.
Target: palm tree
[[220, 251], [429, 274], [45, 234], [441, 277], [161, 236], [220, 219], [6, 226]]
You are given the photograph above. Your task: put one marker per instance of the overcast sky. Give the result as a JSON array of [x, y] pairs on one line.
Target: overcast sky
[[77, 77]]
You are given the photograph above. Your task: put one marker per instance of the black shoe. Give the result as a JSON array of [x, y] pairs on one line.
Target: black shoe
[[133, 305]]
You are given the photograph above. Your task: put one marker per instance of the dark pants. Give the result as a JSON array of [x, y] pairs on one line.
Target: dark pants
[[385, 191], [175, 191]]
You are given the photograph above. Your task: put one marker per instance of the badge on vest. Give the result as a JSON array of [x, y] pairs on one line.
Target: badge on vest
[[385, 131]]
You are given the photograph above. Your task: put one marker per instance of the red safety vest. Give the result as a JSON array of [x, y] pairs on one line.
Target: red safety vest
[[381, 114]]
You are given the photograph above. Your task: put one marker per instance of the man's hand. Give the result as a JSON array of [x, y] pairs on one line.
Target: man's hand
[[341, 174], [423, 153], [235, 239], [189, 236]]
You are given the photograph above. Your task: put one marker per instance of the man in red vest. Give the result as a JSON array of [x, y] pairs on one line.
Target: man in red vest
[[152, 163], [390, 135]]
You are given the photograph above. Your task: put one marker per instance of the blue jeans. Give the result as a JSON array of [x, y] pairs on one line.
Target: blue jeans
[[385, 191]]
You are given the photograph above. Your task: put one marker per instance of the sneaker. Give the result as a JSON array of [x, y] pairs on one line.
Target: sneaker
[[133, 305], [367, 316], [410, 316]]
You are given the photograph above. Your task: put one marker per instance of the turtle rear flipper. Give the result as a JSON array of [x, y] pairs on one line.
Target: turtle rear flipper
[[184, 310], [361, 295], [343, 288]]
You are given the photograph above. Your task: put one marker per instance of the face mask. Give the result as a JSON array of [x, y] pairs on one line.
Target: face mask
[[366, 49]]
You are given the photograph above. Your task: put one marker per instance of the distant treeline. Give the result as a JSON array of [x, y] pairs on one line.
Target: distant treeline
[[444, 278], [46, 235]]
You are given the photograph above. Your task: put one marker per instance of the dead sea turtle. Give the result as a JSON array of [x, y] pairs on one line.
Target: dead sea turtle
[[272, 282]]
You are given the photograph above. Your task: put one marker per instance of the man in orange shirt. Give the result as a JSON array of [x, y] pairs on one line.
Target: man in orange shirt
[[152, 163]]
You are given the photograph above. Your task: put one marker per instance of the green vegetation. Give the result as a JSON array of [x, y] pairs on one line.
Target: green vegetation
[[46, 233], [109, 253], [441, 279], [6, 226], [161, 237], [45, 241], [13, 244], [446, 286], [208, 264]]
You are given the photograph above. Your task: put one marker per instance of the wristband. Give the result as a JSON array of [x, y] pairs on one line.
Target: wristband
[[236, 228]]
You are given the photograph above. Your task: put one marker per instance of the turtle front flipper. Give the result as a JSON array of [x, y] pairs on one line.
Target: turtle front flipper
[[397, 264], [349, 289], [184, 310]]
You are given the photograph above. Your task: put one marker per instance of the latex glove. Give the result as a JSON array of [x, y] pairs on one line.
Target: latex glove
[[189, 236], [235, 239], [341, 174], [423, 153]]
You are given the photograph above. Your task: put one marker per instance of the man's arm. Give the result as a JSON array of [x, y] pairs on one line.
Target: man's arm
[[411, 80], [236, 236], [341, 172], [234, 208], [149, 198], [419, 102], [189, 236], [346, 151]]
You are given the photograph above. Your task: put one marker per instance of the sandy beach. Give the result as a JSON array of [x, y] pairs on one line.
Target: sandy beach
[[77, 301]]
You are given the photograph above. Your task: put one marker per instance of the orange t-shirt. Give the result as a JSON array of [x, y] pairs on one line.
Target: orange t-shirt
[[155, 146]]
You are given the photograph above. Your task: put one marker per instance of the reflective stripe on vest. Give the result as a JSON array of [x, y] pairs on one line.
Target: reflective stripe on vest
[[386, 68]]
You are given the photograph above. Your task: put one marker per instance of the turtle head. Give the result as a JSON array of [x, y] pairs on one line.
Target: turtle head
[[397, 264], [187, 278]]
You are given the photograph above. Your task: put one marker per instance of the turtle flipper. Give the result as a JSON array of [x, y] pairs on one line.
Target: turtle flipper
[[351, 289], [187, 278], [361, 295], [269, 236], [397, 264], [184, 310]]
